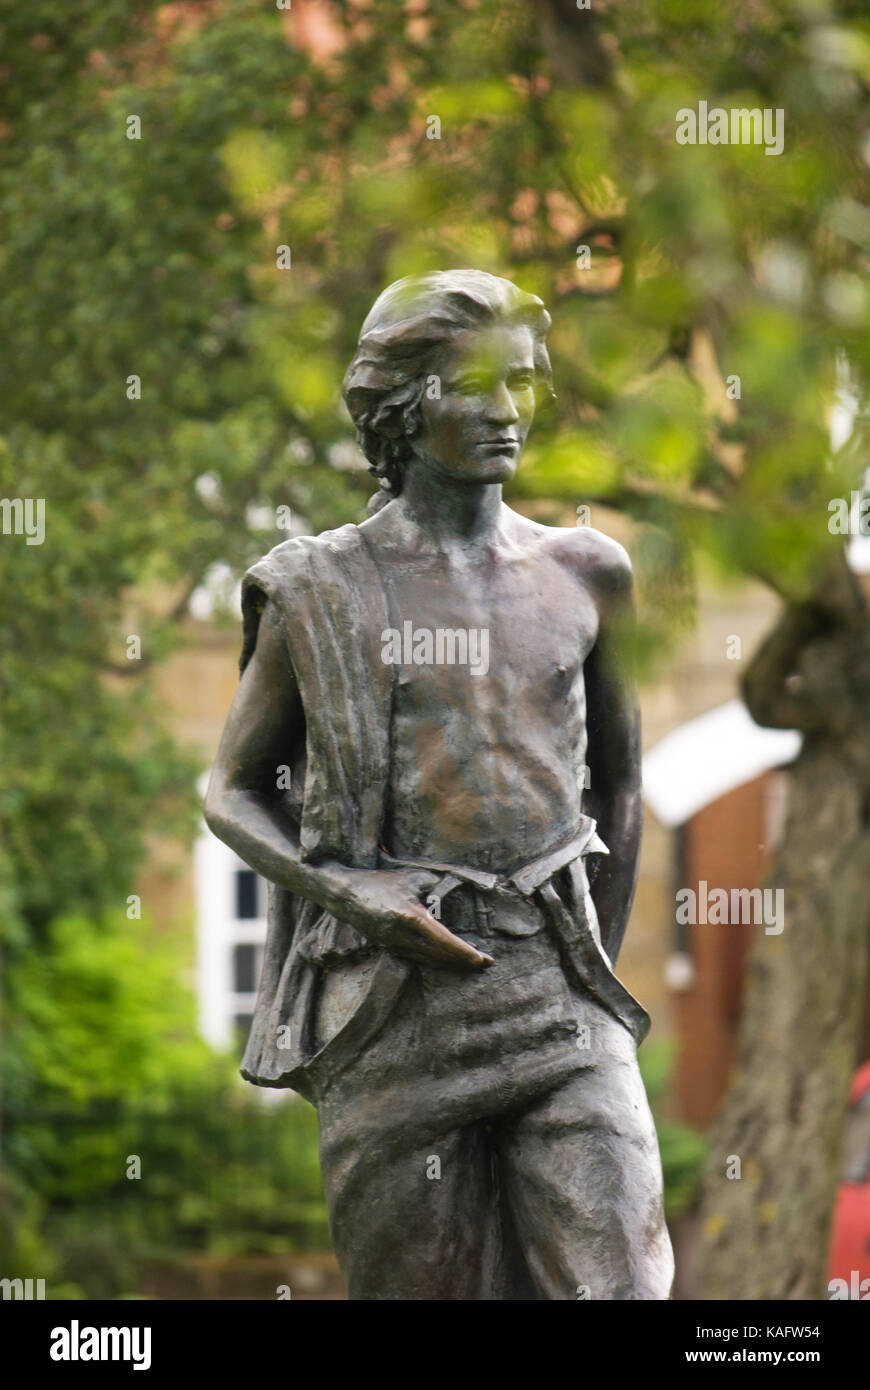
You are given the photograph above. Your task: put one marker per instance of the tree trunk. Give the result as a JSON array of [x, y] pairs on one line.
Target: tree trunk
[[765, 1233]]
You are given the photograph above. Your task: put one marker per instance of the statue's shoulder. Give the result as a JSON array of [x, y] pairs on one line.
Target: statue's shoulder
[[602, 559], [288, 575], [288, 564], [595, 558]]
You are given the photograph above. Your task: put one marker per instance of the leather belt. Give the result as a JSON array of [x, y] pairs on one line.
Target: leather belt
[[586, 962], [525, 881]]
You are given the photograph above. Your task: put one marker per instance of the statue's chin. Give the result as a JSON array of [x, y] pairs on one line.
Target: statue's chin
[[491, 468], [495, 469]]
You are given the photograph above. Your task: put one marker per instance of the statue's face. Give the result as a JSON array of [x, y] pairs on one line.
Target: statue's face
[[476, 431]]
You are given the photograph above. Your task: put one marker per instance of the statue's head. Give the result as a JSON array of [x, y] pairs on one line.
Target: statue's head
[[449, 369]]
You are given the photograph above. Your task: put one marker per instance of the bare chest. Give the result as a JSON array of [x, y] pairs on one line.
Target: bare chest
[[499, 628]]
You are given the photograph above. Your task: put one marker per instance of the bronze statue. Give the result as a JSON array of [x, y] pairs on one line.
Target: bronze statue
[[443, 685]]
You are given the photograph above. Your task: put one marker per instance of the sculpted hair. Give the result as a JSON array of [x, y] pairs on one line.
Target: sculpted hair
[[400, 345]]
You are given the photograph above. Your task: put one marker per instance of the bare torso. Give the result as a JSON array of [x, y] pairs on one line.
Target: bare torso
[[487, 767]]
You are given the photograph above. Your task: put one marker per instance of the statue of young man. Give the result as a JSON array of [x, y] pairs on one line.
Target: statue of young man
[[438, 686]]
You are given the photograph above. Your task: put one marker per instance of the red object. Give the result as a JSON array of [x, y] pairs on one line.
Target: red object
[[850, 1237], [860, 1084]]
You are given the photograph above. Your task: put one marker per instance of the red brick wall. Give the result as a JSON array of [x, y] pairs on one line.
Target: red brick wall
[[724, 844]]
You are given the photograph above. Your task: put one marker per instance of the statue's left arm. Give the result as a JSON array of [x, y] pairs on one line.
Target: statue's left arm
[[613, 755]]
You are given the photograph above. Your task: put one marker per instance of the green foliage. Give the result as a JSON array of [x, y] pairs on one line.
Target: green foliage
[[104, 1065], [64, 994], [683, 1149]]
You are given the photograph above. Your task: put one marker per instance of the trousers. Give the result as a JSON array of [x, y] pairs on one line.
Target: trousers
[[494, 1140]]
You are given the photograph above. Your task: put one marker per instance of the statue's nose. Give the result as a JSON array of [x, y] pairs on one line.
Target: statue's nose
[[500, 406]]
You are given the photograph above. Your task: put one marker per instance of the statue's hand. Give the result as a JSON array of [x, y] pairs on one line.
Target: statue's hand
[[384, 904]]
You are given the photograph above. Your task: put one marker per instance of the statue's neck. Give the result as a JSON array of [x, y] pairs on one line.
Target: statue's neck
[[448, 512]]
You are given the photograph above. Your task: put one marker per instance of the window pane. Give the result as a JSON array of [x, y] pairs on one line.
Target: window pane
[[246, 894], [244, 969]]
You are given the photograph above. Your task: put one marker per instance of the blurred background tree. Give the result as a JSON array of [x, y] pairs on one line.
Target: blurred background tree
[[135, 1140], [703, 297]]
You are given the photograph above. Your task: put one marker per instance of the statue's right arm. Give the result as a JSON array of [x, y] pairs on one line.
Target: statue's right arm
[[245, 808], [243, 805]]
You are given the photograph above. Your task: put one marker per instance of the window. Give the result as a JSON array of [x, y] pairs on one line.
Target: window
[[246, 894], [245, 968], [231, 933]]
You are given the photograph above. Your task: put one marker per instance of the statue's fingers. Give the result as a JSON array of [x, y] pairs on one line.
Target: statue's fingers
[[449, 948], [422, 880]]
